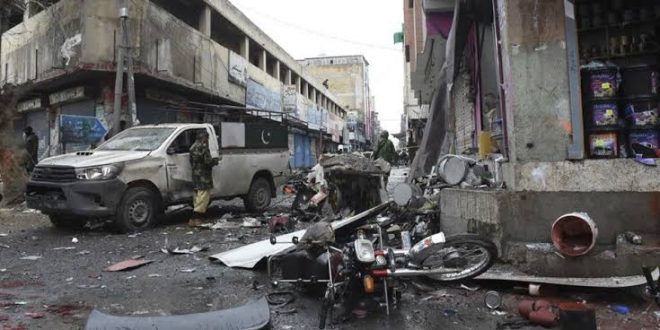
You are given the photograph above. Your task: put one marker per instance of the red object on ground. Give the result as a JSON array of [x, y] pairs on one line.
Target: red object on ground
[[574, 234], [544, 317], [526, 307], [279, 223], [127, 265]]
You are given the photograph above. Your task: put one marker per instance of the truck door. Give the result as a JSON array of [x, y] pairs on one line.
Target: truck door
[[179, 172]]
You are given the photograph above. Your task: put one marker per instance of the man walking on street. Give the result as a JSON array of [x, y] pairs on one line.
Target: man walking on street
[[31, 148], [202, 176], [385, 148]]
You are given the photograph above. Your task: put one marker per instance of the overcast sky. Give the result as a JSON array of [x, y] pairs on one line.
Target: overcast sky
[[311, 28]]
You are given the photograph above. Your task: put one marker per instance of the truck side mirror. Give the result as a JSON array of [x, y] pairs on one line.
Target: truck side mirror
[[171, 151]]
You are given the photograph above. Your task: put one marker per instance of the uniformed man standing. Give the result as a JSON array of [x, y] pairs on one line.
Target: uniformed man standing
[[385, 148], [202, 176], [31, 148]]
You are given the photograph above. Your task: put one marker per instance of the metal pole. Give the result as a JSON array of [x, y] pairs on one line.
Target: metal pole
[[119, 77], [132, 108]]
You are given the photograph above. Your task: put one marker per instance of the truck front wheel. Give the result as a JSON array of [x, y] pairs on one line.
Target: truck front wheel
[[137, 210], [258, 198]]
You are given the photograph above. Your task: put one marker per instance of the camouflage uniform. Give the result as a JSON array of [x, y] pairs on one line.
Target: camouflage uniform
[[385, 150], [202, 165], [202, 177]]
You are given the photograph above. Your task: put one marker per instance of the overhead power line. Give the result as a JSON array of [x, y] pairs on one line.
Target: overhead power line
[[320, 33]]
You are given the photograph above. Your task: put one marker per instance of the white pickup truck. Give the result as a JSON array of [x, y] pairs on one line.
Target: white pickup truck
[[135, 175]]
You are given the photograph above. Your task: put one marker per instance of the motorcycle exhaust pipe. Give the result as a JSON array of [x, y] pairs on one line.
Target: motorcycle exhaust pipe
[[407, 272]]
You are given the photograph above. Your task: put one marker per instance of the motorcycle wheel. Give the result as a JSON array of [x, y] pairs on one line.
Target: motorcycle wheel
[[470, 254]]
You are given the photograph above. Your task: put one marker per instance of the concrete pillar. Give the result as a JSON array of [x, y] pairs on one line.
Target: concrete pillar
[[289, 78], [262, 60], [245, 47], [205, 21], [277, 70], [298, 83], [30, 9], [305, 89]]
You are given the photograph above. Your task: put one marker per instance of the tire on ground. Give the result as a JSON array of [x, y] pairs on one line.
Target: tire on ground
[[259, 196], [138, 210]]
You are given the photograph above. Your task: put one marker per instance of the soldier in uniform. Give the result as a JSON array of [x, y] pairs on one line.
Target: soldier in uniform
[[202, 178], [32, 149]]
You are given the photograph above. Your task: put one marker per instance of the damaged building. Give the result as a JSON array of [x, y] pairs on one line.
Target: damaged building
[[186, 54], [347, 77], [559, 100]]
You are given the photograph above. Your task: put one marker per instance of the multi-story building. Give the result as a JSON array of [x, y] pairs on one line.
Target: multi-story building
[[186, 52], [425, 29], [347, 77], [565, 117]]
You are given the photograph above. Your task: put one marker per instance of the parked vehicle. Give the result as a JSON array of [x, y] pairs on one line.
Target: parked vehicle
[[357, 275], [135, 175]]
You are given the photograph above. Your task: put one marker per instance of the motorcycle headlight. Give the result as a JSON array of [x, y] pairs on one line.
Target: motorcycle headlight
[[364, 250], [105, 172]]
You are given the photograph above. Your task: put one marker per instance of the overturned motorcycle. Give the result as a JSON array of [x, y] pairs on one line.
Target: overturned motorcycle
[[363, 271]]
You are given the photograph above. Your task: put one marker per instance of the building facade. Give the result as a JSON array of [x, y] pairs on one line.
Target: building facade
[[186, 53], [520, 88], [347, 77]]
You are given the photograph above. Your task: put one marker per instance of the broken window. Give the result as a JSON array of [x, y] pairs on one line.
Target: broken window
[[187, 11], [185, 140], [225, 33]]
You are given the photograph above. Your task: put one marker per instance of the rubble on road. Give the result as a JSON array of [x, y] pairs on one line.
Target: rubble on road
[[32, 258], [127, 265], [178, 250], [249, 222]]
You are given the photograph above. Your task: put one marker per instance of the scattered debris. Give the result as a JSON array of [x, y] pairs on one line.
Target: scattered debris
[[281, 298], [574, 315], [188, 270], [493, 300], [256, 285], [620, 309], [134, 235], [128, 265], [35, 315], [65, 248], [154, 275], [130, 277], [74, 240], [84, 252], [69, 279], [280, 223], [633, 238], [2, 270], [95, 275], [5, 246], [91, 286], [498, 313], [3, 235], [472, 289], [437, 295], [253, 315], [249, 222], [177, 250], [31, 258]]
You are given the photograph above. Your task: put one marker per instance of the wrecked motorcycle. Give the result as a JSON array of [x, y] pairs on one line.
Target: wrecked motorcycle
[[652, 286], [359, 278], [312, 202]]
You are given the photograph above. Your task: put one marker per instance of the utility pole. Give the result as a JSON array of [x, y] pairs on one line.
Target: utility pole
[[124, 60]]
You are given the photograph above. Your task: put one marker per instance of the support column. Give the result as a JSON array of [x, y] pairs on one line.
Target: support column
[[262, 61], [289, 77], [277, 70], [245, 48], [29, 9], [305, 90], [205, 21], [298, 82]]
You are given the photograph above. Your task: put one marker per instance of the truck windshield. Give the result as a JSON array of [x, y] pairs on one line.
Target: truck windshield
[[138, 139]]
